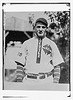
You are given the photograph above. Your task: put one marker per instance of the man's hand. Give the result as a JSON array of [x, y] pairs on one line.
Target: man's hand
[[10, 77], [17, 75]]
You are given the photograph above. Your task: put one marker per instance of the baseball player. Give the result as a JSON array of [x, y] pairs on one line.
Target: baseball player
[[39, 57]]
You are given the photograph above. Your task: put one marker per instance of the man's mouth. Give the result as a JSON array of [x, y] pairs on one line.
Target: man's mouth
[[40, 32]]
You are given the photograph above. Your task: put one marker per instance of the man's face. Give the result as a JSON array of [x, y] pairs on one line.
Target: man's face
[[40, 29]]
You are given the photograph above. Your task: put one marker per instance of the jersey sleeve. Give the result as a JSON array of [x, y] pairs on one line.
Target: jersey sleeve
[[20, 58], [57, 57]]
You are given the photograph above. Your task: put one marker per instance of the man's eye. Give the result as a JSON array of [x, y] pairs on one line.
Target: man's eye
[[43, 26], [38, 26]]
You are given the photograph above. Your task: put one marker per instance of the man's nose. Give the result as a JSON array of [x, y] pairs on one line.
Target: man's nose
[[41, 28]]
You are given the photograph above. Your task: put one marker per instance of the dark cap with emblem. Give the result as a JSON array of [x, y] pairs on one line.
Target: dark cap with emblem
[[42, 20]]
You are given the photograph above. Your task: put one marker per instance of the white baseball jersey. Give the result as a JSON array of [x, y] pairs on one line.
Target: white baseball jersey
[[39, 60]]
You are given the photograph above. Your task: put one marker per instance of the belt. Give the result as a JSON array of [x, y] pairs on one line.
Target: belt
[[39, 75]]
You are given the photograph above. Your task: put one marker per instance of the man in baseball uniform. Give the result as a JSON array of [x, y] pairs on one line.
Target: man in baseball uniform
[[39, 57]]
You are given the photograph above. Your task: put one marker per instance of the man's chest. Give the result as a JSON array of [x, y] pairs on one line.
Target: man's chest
[[41, 51]]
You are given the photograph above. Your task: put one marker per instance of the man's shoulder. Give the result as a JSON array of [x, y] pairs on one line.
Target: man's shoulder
[[28, 41], [49, 41]]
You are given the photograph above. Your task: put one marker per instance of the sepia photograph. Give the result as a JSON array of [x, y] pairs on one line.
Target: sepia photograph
[[36, 48]]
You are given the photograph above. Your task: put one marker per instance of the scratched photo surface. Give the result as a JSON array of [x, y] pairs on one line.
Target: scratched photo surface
[[19, 27]]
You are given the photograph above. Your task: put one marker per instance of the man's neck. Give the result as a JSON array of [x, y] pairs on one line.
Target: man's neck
[[40, 37]]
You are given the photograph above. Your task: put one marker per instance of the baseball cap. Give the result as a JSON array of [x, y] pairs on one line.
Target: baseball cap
[[42, 20]]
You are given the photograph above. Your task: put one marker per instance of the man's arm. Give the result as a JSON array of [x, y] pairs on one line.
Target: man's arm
[[21, 62], [56, 74], [20, 73], [57, 62]]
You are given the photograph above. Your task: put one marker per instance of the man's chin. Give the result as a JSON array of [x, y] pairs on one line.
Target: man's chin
[[40, 35]]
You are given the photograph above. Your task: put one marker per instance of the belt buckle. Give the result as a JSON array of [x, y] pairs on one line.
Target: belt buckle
[[49, 74], [45, 75], [41, 75]]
